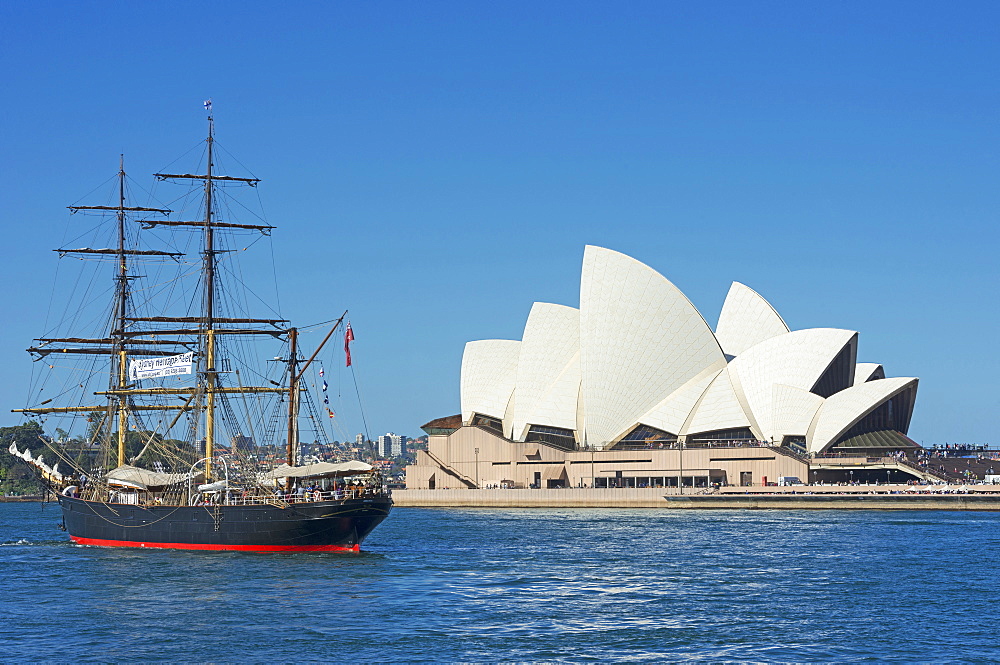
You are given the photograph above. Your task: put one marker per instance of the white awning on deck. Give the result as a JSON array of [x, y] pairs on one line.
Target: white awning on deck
[[320, 469], [144, 479]]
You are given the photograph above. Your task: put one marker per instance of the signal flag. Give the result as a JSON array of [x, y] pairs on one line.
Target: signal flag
[[348, 338]]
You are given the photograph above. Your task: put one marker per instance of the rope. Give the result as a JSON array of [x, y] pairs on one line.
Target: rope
[[361, 406]]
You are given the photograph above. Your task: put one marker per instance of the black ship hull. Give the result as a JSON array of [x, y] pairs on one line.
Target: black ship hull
[[322, 526]]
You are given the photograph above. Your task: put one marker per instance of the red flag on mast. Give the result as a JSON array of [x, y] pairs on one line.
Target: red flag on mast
[[348, 338]]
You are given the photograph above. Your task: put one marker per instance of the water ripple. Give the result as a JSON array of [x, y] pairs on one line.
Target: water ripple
[[560, 586]]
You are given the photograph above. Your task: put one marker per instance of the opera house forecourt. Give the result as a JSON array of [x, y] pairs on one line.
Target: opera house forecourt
[[635, 390]]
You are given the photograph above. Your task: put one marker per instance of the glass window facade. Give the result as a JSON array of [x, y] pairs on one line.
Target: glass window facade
[[645, 436], [557, 437], [723, 436], [893, 415], [489, 422], [839, 375]]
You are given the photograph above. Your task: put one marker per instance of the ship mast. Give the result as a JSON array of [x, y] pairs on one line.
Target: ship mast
[[293, 402], [295, 375], [115, 344], [209, 262], [122, 304], [124, 341], [208, 320]]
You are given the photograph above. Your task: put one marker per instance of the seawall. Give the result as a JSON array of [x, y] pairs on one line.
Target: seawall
[[825, 499]]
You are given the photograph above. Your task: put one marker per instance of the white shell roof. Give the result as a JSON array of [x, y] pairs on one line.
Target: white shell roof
[[551, 341], [489, 371], [865, 371], [671, 414], [719, 408], [842, 410], [746, 320], [640, 338], [558, 407], [638, 352], [792, 410], [796, 359]]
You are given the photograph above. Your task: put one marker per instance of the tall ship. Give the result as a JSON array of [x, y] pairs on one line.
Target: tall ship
[[196, 434]]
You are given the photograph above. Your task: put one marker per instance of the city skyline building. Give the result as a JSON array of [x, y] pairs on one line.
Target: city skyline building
[[391, 445]]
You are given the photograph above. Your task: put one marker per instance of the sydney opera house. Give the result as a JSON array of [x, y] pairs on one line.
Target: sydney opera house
[[635, 389]]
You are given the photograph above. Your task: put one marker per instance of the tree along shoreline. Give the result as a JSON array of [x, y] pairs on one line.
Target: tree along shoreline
[[19, 479]]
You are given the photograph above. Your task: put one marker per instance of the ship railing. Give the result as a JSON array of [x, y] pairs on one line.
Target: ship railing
[[282, 500], [309, 497]]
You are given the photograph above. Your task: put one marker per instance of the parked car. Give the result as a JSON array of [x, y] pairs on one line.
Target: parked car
[[789, 481]]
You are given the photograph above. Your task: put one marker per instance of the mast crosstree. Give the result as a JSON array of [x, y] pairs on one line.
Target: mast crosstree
[[123, 341], [116, 344], [209, 388]]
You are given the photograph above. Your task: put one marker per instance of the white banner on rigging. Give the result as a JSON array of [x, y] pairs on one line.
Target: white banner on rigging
[[154, 368]]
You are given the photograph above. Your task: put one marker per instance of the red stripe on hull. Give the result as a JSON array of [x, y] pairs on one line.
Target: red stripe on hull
[[193, 546]]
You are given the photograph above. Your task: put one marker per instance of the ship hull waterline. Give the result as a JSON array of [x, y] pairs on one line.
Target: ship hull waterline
[[322, 526]]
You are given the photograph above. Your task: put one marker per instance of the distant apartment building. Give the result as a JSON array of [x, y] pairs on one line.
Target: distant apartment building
[[242, 444], [391, 445]]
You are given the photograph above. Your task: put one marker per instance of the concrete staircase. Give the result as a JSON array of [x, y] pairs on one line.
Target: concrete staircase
[[469, 482], [845, 464], [962, 469]]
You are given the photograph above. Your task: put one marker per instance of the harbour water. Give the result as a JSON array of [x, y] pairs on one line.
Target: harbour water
[[523, 585]]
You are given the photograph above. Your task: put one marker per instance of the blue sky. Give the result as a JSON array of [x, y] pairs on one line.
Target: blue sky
[[437, 167]]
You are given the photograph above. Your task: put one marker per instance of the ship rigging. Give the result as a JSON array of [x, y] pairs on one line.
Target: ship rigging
[[190, 372]]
